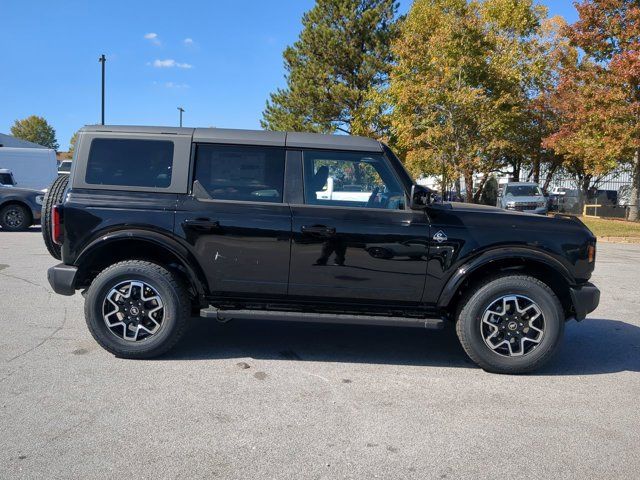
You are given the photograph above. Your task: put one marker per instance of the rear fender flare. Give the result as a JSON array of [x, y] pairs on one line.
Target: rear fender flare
[[196, 276]]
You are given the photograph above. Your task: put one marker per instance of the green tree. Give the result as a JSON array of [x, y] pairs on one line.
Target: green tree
[[490, 192], [72, 144], [35, 129], [336, 69], [462, 86]]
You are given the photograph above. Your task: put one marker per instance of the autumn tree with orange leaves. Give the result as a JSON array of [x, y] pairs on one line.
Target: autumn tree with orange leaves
[[462, 87], [598, 96]]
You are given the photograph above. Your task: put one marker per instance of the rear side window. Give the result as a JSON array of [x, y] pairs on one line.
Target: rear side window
[[241, 173], [132, 163]]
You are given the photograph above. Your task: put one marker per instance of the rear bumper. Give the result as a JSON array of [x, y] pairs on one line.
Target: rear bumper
[[62, 279], [585, 299]]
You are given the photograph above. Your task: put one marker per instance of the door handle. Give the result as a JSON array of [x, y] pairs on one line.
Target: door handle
[[318, 230], [201, 224]]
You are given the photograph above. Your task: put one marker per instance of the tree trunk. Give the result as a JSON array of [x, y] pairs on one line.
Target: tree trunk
[[536, 169], [634, 216], [583, 192], [516, 171], [550, 173], [468, 185]]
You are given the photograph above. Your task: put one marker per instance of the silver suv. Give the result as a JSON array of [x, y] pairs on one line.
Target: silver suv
[[523, 197]]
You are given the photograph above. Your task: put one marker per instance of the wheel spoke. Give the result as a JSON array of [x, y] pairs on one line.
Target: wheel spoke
[[512, 325], [133, 310]]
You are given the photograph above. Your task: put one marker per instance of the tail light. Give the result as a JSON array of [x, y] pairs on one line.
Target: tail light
[[56, 224], [591, 253]]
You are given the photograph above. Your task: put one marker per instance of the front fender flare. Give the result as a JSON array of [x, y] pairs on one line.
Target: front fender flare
[[504, 253]]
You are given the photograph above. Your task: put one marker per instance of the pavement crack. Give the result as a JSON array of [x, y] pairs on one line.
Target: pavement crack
[[47, 338], [26, 281]]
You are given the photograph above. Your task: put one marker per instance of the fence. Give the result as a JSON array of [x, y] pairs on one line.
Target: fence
[[608, 197]]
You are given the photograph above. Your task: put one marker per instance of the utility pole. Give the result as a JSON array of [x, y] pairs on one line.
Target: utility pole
[[181, 110], [102, 60]]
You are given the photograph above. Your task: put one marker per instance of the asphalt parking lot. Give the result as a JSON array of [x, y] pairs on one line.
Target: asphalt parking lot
[[251, 399]]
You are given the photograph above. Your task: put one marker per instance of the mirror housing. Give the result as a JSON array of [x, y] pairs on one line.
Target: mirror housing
[[420, 197]]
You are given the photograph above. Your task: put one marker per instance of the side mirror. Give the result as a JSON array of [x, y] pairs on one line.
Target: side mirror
[[420, 197]]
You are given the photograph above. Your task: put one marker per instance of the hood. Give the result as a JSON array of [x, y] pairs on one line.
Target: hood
[[19, 191]]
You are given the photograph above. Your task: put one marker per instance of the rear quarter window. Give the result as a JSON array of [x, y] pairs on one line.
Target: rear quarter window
[[132, 163]]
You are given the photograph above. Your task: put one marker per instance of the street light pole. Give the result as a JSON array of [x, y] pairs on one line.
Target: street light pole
[[102, 60], [180, 109]]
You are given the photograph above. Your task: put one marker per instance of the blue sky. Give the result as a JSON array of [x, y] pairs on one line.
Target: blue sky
[[218, 59]]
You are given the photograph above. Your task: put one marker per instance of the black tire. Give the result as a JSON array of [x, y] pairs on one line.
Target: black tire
[[478, 300], [175, 312], [52, 197], [15, 217]]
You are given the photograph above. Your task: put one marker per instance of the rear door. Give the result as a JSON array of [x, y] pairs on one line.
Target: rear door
[[353, 236], [236, 221]]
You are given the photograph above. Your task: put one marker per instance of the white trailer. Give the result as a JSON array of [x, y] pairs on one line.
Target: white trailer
[[34, 168]]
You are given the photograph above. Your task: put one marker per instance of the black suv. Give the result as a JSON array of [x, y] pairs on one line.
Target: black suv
[[158, 223]]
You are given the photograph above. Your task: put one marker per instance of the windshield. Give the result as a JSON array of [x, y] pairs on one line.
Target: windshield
[[524, 190]]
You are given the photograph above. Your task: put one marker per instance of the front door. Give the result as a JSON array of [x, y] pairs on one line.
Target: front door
[[236, 221], [354, 238]]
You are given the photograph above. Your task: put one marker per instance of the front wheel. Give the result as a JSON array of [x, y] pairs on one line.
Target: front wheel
[[15, 218], [136, 309], [512, 324]]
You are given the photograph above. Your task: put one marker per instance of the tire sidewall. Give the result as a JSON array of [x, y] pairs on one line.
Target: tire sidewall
[[96, 295], [471, 319]]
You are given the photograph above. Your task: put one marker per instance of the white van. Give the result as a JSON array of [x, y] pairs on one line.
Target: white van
[[34, 168]]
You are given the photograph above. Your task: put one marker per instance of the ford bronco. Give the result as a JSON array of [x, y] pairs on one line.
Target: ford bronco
[[157, 224]]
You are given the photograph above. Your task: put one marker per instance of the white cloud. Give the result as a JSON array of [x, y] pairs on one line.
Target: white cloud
[[170, 63], [188, 41], [176, 85], [153, 38]]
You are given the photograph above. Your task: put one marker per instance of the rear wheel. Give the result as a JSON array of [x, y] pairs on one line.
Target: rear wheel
[[51, 198], [15, 217], [136, 309], [512, 324]]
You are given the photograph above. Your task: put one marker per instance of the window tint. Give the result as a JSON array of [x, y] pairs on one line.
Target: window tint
[[524, 190], [5, 179], [241, 173], [134, 163], [351, 180]]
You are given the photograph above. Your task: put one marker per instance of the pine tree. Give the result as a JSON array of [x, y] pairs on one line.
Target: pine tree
[[336, 69]]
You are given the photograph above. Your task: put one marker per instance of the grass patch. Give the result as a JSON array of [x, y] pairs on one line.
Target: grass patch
[[612, 228]]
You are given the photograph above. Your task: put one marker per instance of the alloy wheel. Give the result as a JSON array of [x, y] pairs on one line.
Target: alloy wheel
[[512, 325], [14, 217], [133, 310]]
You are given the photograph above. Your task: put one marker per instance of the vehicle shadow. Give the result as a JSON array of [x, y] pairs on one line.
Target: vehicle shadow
[[272, 340], [594, 346], [32, 229]]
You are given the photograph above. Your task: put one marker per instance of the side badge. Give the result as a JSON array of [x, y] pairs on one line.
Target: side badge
[[440, 236]]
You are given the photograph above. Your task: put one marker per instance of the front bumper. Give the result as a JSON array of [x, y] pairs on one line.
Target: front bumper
[[585, 299], [62, 278], [537, 211]]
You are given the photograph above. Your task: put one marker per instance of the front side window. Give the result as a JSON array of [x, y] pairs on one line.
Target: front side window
[[241, 173], [5, 179], [351, 180], [131, 163]]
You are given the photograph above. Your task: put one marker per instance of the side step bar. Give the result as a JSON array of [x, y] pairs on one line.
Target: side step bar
[[225, 315]]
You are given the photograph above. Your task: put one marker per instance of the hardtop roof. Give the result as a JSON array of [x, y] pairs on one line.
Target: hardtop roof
[[252, 137]]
